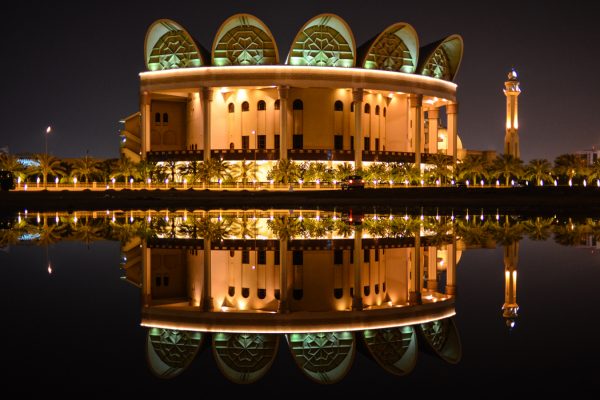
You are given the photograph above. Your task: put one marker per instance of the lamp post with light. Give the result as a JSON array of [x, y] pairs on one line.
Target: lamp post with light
[[48, 130]]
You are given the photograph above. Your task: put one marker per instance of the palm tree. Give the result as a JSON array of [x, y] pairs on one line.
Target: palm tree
[[107, 168], [594, 172], [507, 166], [146, 169], [126, 168], [217, 169], [441, 166], [342, 171], [568, 165], [538, 170], [377, 172], [473, 167], [284, 171], [10, 162], [244, 171], [318, 171], [47, 165], [85, 167]]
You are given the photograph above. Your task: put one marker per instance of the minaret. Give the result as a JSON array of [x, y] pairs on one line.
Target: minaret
[[511, 139], [510, 307]]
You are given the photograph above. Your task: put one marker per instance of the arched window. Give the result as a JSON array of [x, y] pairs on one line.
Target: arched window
[[157, 118], [367, 108], [298, 105], [384, 112], [245, 106], [338, 106], [165, 118], [377, 110], [277, 105], [261, 106], [352, 107], [231, 107]]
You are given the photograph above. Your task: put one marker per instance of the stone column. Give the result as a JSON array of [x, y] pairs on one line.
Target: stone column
[[357, 98], [284, 92], [206, 97], [146, 123], [414, 292], [451, 268], [433, 116], [415, 104], [357, 301], [207, 300], [452, 113]]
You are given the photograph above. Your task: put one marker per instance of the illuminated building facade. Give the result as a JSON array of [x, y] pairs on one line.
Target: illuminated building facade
[[328, 101]]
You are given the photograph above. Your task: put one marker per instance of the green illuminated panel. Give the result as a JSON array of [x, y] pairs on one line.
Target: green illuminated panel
[[174, 49]]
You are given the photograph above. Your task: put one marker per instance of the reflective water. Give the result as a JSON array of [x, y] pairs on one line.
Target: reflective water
[[122, 301]]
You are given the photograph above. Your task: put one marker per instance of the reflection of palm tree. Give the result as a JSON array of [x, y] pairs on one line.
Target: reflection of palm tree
[[343, 228], [507, 233], [405, 227], [442, 231], [538, 229], [47, 165], [87, 231], [50, 234], [316, 228], [474, 234], [377, 227], [212, 230], [570, 233], [244, 227], [11, 236], [126, 231], [285, 227]]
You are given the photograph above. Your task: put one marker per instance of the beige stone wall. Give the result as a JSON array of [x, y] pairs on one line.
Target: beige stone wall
[[169, 135]]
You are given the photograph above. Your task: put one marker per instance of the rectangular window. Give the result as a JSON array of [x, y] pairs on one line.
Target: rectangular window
[[262, 257], [262, 141], [352, 143], [338, 142], [338, 257], [298, 141], [245, 257], [277, 256], [245, 142], [367, 144], [376, 144], [366, 255], [277, 141], [298, 257]]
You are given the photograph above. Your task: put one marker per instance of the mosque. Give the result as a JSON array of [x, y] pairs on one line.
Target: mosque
[[328, 100]]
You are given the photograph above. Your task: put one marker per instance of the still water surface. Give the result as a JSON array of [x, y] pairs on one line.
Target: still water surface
[[91, 300]]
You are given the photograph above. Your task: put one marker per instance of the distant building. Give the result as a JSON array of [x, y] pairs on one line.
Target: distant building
[[328, 100], [590, 156]]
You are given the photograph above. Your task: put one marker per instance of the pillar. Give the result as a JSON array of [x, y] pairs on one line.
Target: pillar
[[146, 123], [451, 268], [283, 275], [414, 291], [207, 300], [357, 98], [206, 95], [284, 92], [357, 302], [146, 275], [433, 116], [432, 284], [415, 104], [452, 113]]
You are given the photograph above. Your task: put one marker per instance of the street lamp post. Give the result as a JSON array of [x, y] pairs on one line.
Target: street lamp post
[[48, 130]]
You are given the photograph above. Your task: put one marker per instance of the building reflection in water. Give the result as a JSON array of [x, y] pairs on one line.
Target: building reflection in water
[[327, 283], [324, 284]]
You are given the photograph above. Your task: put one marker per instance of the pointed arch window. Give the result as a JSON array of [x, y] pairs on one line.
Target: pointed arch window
[[367, 108], [261, 105], [338, 106], [231, 108], [277, 105], [245, 106], [377, 109]]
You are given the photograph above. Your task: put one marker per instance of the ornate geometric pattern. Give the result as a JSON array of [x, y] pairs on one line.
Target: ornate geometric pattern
[[321, 45], [321, 353], [245, 352], [174, 49], [438, 65], [175, 348], [389, 53], [245, 45], [436, 333], [389, 345]]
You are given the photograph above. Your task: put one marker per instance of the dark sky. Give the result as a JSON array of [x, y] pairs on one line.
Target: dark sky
[[76, 66]]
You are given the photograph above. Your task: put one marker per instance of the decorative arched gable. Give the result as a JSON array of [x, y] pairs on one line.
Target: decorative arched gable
[[442, 59], [325, 40], [395, 49], [244, 39], [168, 45]]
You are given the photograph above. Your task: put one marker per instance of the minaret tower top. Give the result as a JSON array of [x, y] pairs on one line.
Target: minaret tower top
[[512, 91]]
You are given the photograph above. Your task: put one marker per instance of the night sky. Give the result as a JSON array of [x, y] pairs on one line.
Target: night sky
[[76, 67]]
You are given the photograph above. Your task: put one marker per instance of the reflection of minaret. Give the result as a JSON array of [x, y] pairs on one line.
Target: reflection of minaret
[[511, 139], [510, 307]]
